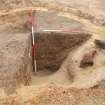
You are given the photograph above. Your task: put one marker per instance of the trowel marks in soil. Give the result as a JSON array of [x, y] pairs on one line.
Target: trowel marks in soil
[[53, 48]]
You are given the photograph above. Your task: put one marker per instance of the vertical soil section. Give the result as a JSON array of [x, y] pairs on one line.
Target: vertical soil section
[[53, 48]]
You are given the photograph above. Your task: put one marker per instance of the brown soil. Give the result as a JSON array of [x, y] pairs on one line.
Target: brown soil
[[52, 51], [53, 48]]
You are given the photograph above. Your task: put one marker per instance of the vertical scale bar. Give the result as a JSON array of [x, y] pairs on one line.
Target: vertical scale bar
[[34, 48], [32, 22], [33, 35], [34, 42]]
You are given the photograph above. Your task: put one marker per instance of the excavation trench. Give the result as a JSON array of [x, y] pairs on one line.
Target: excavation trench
[[53, 48]]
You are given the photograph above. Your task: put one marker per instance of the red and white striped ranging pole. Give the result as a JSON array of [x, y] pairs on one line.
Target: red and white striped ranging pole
[[32, 21]]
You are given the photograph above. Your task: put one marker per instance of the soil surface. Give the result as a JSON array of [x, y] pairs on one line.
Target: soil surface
[[59, 79], [53, 48]]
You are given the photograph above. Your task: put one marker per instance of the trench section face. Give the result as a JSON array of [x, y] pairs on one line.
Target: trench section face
[[53, 48]]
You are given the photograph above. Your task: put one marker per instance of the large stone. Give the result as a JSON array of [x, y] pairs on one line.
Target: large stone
[[88, 59], [100, 44]]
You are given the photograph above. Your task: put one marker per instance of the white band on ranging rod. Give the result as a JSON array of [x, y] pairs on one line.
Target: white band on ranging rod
[[52, 30]]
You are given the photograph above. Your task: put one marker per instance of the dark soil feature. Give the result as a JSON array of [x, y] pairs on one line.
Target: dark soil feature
[[53, 48]]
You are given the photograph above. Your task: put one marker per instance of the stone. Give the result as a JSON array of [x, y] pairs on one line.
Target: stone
[[88, 59], [100, 44]]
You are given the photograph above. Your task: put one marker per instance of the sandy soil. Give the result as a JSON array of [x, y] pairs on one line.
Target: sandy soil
[[62, 86]]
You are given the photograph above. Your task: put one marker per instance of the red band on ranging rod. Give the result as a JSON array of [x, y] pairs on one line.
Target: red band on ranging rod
[[68, 29], [31, 18]]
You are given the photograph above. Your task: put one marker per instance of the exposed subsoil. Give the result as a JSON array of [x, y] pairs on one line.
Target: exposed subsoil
[[53, 48], [58, 54]]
